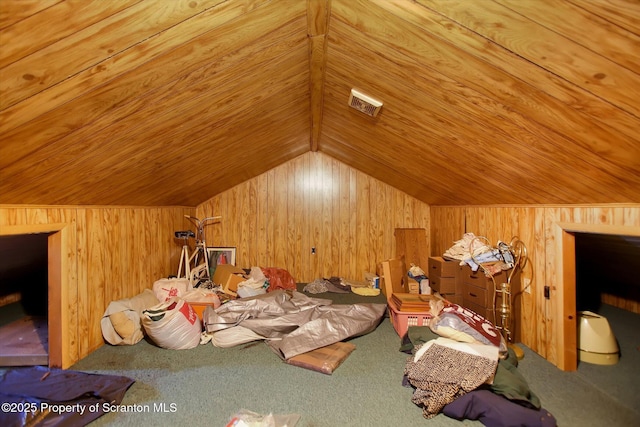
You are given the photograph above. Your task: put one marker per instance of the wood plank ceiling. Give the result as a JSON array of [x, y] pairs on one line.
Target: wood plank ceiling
[[154, 103]]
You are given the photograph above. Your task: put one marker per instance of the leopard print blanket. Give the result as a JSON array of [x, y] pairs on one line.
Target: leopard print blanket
[[442, 374]]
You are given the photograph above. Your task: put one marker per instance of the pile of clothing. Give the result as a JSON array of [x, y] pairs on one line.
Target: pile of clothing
[[460, 366], [474, 251]]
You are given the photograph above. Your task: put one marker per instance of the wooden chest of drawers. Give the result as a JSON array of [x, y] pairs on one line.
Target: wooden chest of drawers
[[478, 295]]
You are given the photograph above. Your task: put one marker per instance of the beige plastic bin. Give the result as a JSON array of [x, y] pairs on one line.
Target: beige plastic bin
[[596, 342]]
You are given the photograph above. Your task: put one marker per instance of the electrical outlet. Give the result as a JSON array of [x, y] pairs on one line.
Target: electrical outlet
[[527, 285]]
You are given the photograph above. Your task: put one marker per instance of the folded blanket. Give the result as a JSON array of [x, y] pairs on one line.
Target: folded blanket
[[442, 374], [496, 411]]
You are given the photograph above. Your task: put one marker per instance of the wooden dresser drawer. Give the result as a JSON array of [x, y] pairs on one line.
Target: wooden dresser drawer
[[478, 278], [439, 267], [444, 285], [487, 313], [476, 295]]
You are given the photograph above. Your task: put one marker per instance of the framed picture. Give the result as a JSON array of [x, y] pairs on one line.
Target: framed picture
[[219, 255]]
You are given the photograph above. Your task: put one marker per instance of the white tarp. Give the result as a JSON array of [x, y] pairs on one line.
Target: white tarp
[[293, 323]]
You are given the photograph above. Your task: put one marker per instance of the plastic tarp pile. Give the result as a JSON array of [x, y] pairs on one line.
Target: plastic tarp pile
[[290, 322], [39, 396]]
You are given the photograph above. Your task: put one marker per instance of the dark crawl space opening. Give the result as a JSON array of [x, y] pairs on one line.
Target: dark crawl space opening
[[24, 299]]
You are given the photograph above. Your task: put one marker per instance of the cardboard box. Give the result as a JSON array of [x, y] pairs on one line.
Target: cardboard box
[[444, 285], [324, 359], [440, 267], [413, 286], [393, 277], [228, 277]]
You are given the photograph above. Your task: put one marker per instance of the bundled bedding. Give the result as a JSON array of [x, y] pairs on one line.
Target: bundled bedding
[[469, 381]]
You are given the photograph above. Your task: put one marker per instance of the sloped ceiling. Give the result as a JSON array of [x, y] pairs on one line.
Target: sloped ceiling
[[154, 102]]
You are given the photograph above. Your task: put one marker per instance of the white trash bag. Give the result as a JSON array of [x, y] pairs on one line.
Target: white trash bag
[[120, 323], [165, 289], [173, 324]]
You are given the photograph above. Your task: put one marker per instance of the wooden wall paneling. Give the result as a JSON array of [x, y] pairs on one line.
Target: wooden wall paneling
[[70, 258], [538, 256], [231, 220], [301, 235], [58, 318], [12, 12], [281, 213], [114, 242], [611, 41], [105, 253], [328, 182], [82, 260], [136, 247], [363, 223], [317, 201], [249, 210], [560, 51], [264, 242], [352, 209], [143, 254], [346, 217], [95, 287], [141, 54], [76, 15], [553, 279], [567, 316], [339, 245], [376, 221], [147, 229], [531, 231], [320, 204], [87, 47], [447, 225], [384, 209]]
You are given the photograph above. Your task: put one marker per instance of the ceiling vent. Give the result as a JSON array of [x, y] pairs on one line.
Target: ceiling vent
[[364, 103]]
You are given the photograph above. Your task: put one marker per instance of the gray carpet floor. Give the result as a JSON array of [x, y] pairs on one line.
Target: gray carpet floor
[[206, 386]]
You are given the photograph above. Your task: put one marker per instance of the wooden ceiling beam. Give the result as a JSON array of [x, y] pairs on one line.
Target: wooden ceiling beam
[[318, 13]]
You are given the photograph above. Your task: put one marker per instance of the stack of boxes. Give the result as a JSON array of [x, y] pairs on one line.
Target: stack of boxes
[[444, 278]]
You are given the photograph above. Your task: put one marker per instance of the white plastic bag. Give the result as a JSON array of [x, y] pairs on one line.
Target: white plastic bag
[[246, 418], [461, 324], [165, 289], [173, 324], [127, 312]]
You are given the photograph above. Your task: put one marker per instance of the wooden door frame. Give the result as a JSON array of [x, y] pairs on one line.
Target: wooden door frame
[[567, 332], [58, 282]]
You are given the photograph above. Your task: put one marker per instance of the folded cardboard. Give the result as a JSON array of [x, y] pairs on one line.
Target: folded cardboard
[[228, 277], [393, 275], [324, 359]]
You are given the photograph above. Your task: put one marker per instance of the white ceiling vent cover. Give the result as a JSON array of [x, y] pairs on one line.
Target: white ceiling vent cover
[[364, 103]]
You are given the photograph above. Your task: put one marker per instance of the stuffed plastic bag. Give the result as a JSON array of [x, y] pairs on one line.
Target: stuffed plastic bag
[[165, 289], [461, 324], [173, 324], [120, 323]]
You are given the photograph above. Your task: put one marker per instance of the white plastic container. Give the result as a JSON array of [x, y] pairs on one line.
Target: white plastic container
[[596, 342]]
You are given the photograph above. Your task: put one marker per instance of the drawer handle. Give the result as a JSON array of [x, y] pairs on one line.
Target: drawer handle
[[473, 295]]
